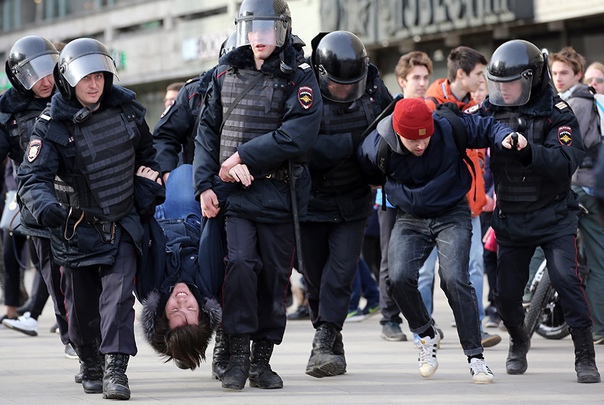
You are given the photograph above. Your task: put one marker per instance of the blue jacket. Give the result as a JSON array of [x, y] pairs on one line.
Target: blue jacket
[[427, 185]]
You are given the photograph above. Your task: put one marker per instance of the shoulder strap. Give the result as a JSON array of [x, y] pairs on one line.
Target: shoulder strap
[[459, 133], [240, 96]]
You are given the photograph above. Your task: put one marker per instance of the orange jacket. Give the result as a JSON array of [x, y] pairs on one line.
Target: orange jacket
[[439, 92]]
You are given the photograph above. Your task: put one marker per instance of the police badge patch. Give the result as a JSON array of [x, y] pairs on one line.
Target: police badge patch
[[35, 145], [565, 136], [305, 96]]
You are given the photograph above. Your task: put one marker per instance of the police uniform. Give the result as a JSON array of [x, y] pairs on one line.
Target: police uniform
[[535, 206], [87, 162], [18, 115], [275, 119], [340, 203], [176, 129]]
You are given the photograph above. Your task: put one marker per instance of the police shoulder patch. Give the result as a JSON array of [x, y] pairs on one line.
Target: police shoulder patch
[[34, 148], [305, 97], [565, 136]]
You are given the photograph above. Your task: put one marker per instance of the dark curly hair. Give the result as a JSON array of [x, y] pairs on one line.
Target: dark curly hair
[[186, 344]]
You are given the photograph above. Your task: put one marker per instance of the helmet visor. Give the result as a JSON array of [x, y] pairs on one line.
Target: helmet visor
[[511, 92], [264, 31], [342, 92], [31, 72], [76, 69]]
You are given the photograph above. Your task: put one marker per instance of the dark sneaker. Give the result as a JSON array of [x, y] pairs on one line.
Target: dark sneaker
[[494, 320], [489, 340], [355, 316], [392, 332]]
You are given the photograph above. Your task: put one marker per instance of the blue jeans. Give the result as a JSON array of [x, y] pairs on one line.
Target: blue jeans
[[476, 268], [180, 199], [364, 285], [425, 282], [411, 242]]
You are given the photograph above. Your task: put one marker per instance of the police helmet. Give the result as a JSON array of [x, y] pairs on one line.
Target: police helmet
[[517, 67], [80, 58], [341, 64], [271, 19], [31, 59], [229, 44]]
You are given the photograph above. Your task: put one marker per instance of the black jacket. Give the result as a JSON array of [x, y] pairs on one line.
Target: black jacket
[[56, 155], [176, 129], [171, 258], [339, 190], [554, 153], [267, 199]]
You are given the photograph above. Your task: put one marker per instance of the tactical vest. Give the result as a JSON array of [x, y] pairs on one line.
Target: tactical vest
[[105, 155], [258, 112], [22, 127], [518, 186], [338, 119]]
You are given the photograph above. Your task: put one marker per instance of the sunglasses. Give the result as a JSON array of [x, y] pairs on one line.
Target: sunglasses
[[598, 80]]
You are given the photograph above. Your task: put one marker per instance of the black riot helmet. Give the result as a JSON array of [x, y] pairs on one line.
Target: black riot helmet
[[229, 44], [80, 58], [269, 18], [341, 63], [517, 68], [31, 59]]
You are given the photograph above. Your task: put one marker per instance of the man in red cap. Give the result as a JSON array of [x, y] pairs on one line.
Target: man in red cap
[[427, 181]]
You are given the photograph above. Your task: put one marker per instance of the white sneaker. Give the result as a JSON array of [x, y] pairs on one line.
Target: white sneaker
[[481, 374], [428, 364], [24, 324]]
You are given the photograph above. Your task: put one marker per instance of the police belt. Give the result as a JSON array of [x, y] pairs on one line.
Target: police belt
[[282, 173], [105, 228]]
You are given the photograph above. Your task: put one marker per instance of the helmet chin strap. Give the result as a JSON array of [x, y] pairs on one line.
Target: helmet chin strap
[[284, 67]]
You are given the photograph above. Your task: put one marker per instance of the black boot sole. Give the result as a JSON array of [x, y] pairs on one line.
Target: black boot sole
[[326, 370]]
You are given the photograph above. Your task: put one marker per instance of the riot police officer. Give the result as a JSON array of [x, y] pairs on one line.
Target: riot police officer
[[262, 111], [535, 204], [340, 199], [29, 68], [90, 176]]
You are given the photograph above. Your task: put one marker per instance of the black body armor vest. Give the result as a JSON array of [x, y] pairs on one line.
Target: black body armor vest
[[105, 155], [258, 112], [346, 175]]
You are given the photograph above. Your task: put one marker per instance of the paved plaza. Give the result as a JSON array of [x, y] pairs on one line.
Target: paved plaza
[[33, 371]]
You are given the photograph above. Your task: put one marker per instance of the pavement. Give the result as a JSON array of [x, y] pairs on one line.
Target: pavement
[[34, 371]]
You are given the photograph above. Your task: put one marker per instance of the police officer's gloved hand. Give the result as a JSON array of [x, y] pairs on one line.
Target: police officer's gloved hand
[[53, 216]]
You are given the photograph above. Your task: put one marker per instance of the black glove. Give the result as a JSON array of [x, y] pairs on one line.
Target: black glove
[[53, 216]]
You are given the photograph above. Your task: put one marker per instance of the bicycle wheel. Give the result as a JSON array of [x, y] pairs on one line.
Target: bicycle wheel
[[542, 295]]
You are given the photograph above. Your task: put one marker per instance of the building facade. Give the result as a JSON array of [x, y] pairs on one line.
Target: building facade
[[156, 42]]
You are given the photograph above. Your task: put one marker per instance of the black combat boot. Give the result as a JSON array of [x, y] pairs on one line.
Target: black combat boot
[[238, 370], [585, 356], [323, 362], [338, 349], [115, 381], [91, 368], [220, 356], [261, 374], [520, 344]]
